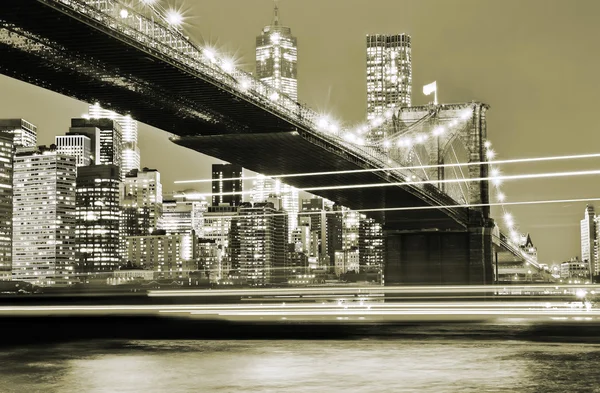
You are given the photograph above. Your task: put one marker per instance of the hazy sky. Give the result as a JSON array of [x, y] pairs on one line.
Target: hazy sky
[[536, 62]]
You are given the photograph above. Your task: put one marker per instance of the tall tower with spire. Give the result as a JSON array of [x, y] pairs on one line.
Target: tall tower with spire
[[277, 57]]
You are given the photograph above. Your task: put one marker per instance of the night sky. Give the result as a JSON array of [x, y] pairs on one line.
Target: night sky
[[536, 62]]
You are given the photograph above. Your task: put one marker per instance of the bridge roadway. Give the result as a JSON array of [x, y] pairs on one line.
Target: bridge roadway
[[80, 51]]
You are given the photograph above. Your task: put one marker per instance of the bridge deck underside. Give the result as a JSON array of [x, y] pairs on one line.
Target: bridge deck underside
[[177, 91], [160, 92], [291, 153]]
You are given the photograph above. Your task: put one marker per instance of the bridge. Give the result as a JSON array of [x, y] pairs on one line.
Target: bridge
[[132, 59]]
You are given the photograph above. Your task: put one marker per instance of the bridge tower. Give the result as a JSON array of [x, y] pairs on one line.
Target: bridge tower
[[421, 252]]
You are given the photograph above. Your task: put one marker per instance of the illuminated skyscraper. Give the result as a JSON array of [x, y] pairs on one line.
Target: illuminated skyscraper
[[389, 73], [78, 146], [6, 204], [370, 246], [25, 133], [105, 138], [277, 57], [222, 188], [589, 239], [130, 152], [98, 214], [44, 217], [264, 188]]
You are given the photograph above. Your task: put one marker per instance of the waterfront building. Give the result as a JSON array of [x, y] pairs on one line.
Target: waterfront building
[[25, 133], [44, 217], [6, 204]]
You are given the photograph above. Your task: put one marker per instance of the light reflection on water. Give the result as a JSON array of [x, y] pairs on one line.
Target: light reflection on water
[[302, 366]]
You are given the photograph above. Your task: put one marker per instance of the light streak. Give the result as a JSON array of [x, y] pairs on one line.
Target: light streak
[[464, 164], [496, 179]]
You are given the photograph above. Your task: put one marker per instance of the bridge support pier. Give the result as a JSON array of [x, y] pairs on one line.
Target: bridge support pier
[[435, 257]]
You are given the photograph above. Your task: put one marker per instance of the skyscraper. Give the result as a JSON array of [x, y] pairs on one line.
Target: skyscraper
[[44, 217], [222, 188], [263, 243], [98, 215], [370, 246], [220, 227], [589, 239], [6, 204], [265, 187], [141, 202], [105, 136], [25, 133], [389, 74], [130, 152], [78, 146], [277, 57]]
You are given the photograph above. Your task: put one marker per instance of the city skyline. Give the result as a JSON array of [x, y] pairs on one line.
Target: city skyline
[[538, 221]]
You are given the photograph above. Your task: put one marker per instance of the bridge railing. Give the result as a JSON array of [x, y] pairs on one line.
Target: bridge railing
[[157, 36], [517, 251]]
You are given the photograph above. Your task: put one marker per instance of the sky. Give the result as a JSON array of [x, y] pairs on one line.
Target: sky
[[535, 62]]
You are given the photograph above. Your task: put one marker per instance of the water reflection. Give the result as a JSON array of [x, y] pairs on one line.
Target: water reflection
[[301, 366]]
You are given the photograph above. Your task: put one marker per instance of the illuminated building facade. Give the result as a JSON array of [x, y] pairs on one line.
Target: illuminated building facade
[[221, 188], [589, 239], [25, 133], [98, 216], [221, 227], [264, 188], [6, 204], [167, 255], [141, 203], [370, 245], [277, 57], [78, 146], [44, 217], [130, 152], [263, 243], [389, 74], [105, 137], [181, 217]]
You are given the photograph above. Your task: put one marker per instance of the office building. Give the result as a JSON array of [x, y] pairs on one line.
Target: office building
[[589, 239], [98, 219], [25, 133], [105, 139], [227, 184], [263, 243], [183, 217], [389, 75], [78, 146], [44, 217], [370, 246], [141, 204], [168, 255], [6, 204], [221, 227], [130, 152], [277, 58], [264, 188]]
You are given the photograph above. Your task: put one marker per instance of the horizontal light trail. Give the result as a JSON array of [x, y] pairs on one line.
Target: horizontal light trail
[[365, 291], [419, 167], [526, 176]]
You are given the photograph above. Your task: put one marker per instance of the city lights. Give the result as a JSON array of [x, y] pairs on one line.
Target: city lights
[[124, 13], [174, 17]]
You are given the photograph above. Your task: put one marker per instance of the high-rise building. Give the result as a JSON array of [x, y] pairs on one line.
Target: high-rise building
[[277, 57], [222, 188], [130, 152], [185, 218], [25, 133], [141, 204], [44, 217], [335, 225], [6, 204], [221, 227], [263, 243], [105, 137], [589, 239], [78, 146], [370, 246], [264, 188], [98, 216], [314, 209], [389, 74]]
